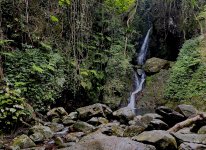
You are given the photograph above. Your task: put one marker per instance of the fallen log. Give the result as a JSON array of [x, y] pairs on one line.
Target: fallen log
[[187, 122]]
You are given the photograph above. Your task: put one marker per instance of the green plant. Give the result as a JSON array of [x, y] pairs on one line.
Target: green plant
[[187, 78], [38, 74], [12, 108]]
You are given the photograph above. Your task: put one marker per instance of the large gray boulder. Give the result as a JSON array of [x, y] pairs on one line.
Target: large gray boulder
[[186, 110], [202, 130], [96, 110], [161, 139], [190, 138], [44, 130], [154, 65], [98, 141], [124, 115], [170, 116], [111, 129], [57, 112], [133, 130], [191, 146], [23, 142], [81, 126]]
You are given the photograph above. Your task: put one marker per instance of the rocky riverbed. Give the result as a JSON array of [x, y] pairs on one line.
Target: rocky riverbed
[[97, 127]]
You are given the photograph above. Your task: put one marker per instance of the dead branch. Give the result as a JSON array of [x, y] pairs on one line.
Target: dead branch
[[187, 122]]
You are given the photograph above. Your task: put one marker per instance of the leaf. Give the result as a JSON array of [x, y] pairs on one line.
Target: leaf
[[54, 18], [12, 110], [37, 68]]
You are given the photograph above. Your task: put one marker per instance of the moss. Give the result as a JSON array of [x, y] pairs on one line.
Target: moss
[[187, 82]]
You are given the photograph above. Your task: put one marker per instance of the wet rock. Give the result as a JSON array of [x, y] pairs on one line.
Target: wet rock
[[67, 120], [185, 131], [124, 114], [161, 139], [44, 130], [191, 146], [186, 110], [170, 116], [37, 137], [36, 148], [96, 110], [59, 142], [202, 130], [133, 130], [190, 138], [112, 129], [157, 124], [98, 141], [55, 127], [74, 137], [63, 132], [57, 112], [14, 148], [97, 121], [154, 65], [23, 142], [56, 120], [83, 127], [73, 115]]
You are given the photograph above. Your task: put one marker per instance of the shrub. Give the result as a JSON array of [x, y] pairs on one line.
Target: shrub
[[187, 78], [11, 107], [38, 74]]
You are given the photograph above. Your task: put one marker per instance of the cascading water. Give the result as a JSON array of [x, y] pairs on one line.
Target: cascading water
[[139, 74]]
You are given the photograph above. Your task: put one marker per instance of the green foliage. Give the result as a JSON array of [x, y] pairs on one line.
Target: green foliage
[[39, 75], [120, 6], [12, 108], [54, 19], [187, 79]]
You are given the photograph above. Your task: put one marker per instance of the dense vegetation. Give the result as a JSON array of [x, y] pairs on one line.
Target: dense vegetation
[[187, 80], [73, 53]]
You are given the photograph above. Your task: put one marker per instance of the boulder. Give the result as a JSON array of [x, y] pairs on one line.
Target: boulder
[[81, 126], [191, 146], [133, 130], [96, 110], [37, 137], [73, 115], [111, 129], [66, 120], [161, 139], [57, 112], [59, 142], [23, 142], [98, 120], [186, 110], [55, 127], [98, 141], [186, 130], [190, 138], [157, 124], [202, 130], [170, 116], [36, 148], [74, 137], [124, 115], [154, 65], [44, 130]]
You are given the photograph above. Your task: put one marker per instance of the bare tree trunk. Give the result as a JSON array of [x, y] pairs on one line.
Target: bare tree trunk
[[187, 123]]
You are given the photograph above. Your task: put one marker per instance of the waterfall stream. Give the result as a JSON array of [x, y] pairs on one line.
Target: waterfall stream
[[140, 75]]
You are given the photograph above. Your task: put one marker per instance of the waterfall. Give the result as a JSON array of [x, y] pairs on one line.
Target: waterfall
[[139, 74]]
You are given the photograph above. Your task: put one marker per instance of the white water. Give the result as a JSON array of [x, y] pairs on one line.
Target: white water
[[140, 74]]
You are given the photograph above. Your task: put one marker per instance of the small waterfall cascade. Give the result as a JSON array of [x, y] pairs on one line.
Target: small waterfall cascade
[[140, 75]]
